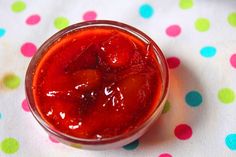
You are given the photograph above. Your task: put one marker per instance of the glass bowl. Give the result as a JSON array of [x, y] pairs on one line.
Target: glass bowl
[[104, 143]]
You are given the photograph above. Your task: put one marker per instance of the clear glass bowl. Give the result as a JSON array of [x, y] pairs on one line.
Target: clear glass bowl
[[105, 143]]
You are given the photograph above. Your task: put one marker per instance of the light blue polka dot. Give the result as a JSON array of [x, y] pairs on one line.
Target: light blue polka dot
[[193, 98], [0, 115], [133, 145], [146, 11], [208, 51], [2, 32], [230, 141]]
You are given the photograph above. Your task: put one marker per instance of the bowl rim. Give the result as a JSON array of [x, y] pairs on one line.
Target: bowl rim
[[96, 23]]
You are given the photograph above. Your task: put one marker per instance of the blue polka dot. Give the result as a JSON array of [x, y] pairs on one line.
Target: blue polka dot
[[132, 145], [193, 98], [0, 115], [208, 51], [230, 141], [146, 11], [2, 32]]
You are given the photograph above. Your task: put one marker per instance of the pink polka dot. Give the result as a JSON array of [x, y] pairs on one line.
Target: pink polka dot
[[28, 49], [89, 15], [233, 60], [52, 139], [183, 131], [165, 155], [173, 62], [173, 30], [25, 105], [33, 19]]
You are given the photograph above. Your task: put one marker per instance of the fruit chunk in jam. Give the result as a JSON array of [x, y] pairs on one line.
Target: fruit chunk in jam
[[97, 83]]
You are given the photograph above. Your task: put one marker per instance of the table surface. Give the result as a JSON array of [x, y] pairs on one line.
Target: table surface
[[198, 39]]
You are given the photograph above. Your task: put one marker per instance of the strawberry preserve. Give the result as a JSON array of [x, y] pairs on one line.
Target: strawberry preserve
[[97, 84]]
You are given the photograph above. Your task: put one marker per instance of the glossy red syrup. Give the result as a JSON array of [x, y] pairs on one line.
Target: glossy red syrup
[[97, 83]]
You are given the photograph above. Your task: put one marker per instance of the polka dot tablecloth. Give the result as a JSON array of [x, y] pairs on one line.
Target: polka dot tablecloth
[[198, 39]]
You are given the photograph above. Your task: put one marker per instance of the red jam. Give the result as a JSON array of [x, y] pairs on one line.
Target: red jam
[[97, 83]]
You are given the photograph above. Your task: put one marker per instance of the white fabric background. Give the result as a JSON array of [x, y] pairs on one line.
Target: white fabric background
[[211, 121]]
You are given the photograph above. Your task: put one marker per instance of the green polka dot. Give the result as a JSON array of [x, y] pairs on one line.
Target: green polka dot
[[232, 19], [10, 145], [61, 22], [18, 6], [11, 81], [226, 95], [185, 4], [202, 24], [166, 107]]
